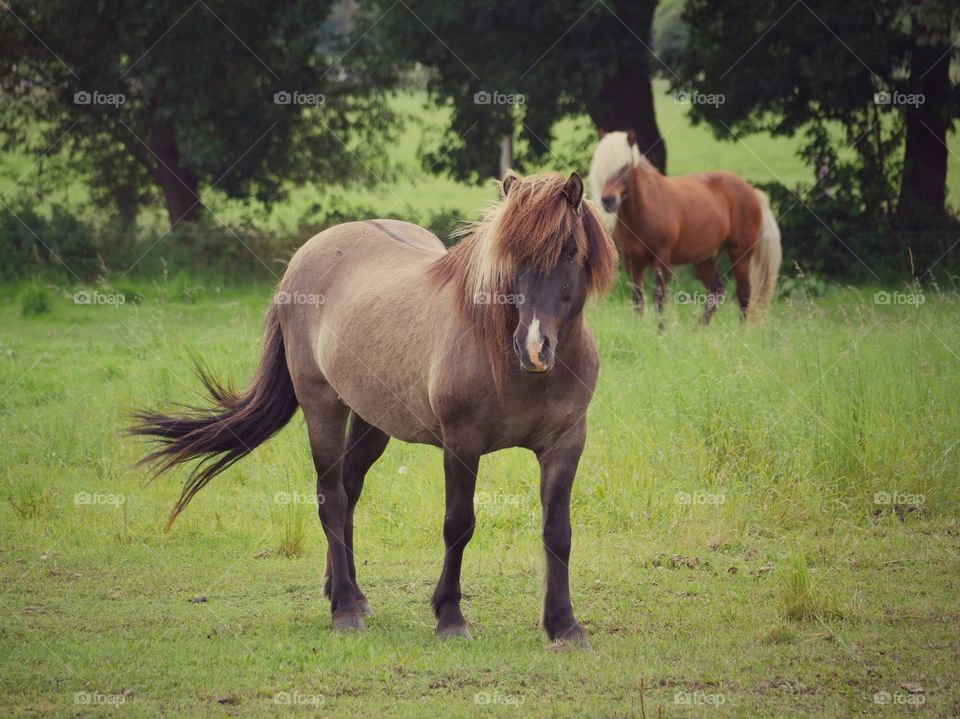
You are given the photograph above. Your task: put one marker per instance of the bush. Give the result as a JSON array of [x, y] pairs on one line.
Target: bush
[[832, 235], [32, 243], [34, 300]]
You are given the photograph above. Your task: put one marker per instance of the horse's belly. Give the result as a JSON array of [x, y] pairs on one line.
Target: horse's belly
[[385, 381], [391, 413]]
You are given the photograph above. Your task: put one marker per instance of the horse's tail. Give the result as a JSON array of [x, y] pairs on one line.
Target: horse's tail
[[230, 429], [765, 262]]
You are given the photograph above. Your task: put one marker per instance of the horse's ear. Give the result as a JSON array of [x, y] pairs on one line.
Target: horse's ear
[[507, 182], [573, 191], [631, 137]]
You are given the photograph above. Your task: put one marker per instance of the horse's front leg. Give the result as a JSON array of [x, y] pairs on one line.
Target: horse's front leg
[[460, 473], [636, 268], [558, 466]]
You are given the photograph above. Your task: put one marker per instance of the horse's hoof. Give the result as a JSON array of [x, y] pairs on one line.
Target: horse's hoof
[[348, 622], [575, 638], [454, 631], [365, 607]]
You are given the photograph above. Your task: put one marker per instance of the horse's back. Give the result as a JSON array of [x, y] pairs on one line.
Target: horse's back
[[717, 204]]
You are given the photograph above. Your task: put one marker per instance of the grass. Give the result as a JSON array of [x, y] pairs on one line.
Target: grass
[[765, 524]]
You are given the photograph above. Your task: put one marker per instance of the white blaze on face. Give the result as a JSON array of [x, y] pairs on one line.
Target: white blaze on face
[[534, 343]]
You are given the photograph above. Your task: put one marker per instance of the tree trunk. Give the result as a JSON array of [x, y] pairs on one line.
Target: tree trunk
[[180, 185], [923, 186], [625, 99], [506, 155]]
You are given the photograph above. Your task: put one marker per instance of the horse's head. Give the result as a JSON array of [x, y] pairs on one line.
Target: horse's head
[[610, 168], [525, 269], [551, 298], [556, 252]]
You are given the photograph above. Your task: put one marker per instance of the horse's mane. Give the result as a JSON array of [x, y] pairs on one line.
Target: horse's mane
[[613, 153], [525, 228]]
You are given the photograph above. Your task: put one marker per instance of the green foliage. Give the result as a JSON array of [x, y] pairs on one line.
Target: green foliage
[[34, 300], [62, 244], [814, 69], [557, 57], [137, 93], [828, 230]]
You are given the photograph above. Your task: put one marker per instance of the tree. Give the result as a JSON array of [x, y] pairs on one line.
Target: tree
[[508, 70], [878, 68], [175, 97], [932, 25]]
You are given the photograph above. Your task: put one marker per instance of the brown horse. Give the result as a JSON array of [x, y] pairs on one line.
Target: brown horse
[[664, 221], [378, 331]]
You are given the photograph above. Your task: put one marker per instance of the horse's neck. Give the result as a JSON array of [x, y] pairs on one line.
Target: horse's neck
[[645, 188]]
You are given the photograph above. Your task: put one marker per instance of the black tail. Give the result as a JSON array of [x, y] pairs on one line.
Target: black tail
[[230, 430]]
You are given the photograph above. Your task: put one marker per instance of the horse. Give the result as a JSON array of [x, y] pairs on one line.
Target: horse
[[664, 221], [378, 331]]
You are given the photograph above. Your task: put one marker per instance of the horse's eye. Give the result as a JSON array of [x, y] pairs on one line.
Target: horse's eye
[[571, 254]]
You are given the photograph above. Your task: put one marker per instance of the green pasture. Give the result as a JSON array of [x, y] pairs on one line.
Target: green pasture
[[765, 525]]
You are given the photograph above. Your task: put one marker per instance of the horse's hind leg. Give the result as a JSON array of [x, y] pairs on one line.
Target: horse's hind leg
[[706, 272], [460, 473], [365, 445], [661, 271], [326, 418], [741, 273]]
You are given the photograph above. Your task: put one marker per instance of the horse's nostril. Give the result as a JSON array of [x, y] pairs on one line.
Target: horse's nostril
[[545, 345]]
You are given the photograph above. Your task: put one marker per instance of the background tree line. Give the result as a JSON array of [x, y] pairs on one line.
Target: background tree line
[[203, 104]]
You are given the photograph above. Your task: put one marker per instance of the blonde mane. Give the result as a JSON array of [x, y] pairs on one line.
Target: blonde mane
[[527, 227], [613, 153]]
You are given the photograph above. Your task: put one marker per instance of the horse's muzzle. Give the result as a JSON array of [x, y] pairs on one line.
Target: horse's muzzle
[[535, 353]]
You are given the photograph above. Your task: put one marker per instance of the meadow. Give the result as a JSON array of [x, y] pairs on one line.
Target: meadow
[[765, 518], [765, 524]]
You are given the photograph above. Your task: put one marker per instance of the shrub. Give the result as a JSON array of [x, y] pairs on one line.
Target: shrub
[[34, 300]]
